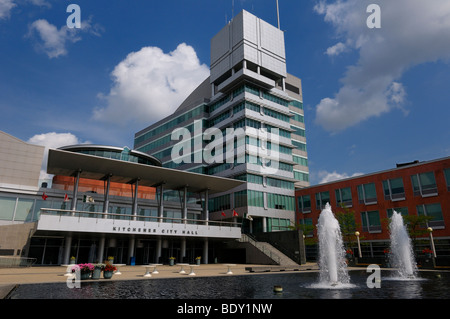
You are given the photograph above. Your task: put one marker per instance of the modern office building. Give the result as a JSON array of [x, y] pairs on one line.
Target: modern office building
[[412, 189], [246, 122], [105, 201]]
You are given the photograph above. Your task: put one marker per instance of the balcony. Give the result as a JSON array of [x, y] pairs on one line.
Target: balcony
[[62, 221]]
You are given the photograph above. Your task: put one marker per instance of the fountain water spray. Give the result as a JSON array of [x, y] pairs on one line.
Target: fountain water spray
[[333, 267], [401, 252]]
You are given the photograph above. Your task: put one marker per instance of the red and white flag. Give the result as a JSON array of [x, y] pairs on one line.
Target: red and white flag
[[223, 214], [234, 213], [66, 198], [44, 197]]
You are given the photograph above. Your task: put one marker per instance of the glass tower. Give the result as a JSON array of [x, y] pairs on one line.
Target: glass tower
[[245, 121]]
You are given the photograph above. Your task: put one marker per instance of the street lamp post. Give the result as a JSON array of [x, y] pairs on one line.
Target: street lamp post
[[359, 244], [430, 230]]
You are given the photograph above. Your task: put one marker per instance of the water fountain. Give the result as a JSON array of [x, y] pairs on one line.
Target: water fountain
[[332, 263], [401, 252]]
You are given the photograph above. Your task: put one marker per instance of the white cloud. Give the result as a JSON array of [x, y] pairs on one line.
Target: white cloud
[[5, 8], [413, 32], [53, 140], [336, 49], [150, 84], [326, 177], [53, 41]]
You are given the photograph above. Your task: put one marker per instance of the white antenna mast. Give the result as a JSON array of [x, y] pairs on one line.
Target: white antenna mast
[[278, 15]]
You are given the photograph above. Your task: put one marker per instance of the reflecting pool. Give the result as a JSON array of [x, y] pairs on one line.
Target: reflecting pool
[[301, 285]]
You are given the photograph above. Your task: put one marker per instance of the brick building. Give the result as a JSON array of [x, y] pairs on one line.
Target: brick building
[[412, 189]]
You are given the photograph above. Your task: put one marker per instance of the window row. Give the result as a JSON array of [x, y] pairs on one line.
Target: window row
[[423, 184], [266, 181], [174, 123], [252, 198], [371, 221]]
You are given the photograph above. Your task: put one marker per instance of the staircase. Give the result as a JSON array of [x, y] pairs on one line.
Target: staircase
[[278, 257]]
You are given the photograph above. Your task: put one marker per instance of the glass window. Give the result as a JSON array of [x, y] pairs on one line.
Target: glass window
[[424, 184], [447, 177], [279, 183], [393, 189], [146, 213], [304, 204], [435, 212], [367, 194], [280, 201], [219, 203], [301, 176], [40, 203], [322, 199], [7, 206], [371, 221], [24, 210], [255, 198], [277, 224], [300, 160], [240, 198], [344, 196], [296, 104], [299, 145]]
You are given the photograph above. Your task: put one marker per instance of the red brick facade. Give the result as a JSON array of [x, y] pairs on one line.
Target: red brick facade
[[431, 197]]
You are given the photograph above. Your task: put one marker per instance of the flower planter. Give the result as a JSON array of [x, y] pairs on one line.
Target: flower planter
[[85, 275], [108, 274], [96, 273]]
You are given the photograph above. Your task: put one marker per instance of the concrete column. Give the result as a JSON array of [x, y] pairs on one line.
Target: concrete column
[[135, 198], [131, 244], [161, 202], [185, 204], [158, 249], [68, 245], [205, 251], [206, 208], [264, 220], [183, 249], [101, 249], [75, 191], [106, 200]]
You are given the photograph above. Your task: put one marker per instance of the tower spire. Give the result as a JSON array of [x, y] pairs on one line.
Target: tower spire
[[278, 15]]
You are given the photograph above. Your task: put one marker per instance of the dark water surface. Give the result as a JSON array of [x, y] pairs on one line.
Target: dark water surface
[[429, 285]]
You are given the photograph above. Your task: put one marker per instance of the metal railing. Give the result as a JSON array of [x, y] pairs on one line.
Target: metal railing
[[266, 248], [13, 261], [101, 216]]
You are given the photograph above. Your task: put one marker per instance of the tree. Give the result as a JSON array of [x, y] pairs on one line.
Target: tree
[[346, 219], [416, 226]]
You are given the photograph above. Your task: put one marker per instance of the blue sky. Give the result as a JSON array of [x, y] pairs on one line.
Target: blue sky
[[372, 97]]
